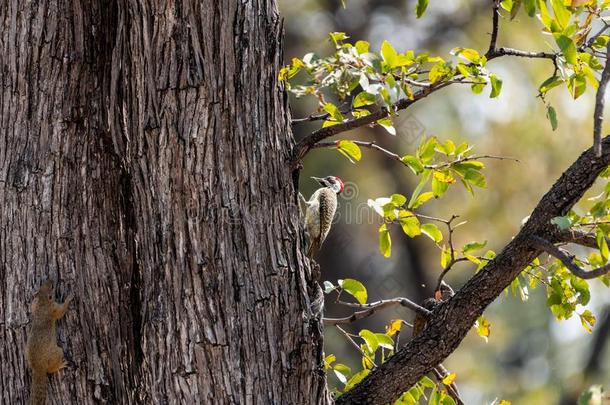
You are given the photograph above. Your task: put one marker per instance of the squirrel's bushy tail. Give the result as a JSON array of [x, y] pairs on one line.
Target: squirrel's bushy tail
[[38, 393]]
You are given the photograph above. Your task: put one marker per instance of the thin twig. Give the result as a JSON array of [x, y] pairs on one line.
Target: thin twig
[[371, 308], [467, 159], [440, 372], [373, 145], [356, 345], [598, 114], [317, 117], [495, 10], [548, 247], [519, 53]]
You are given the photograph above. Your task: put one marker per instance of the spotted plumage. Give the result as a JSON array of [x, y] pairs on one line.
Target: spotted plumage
[[320, 211]]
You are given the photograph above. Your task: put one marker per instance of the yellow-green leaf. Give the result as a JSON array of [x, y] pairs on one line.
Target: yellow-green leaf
[[389, 54], [448, 380], [483, 327], [393, 327], [588, 320], [432, 231], [355, 288], [350, 150], [385, 242], [421, 7]]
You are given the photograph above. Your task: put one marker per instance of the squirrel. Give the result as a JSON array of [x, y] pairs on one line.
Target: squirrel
[[43, 354]]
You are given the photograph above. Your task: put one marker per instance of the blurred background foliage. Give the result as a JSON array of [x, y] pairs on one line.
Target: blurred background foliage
[[530, 358]]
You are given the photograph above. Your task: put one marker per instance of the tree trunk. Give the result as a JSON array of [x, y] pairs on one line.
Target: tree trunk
[[143, 164]]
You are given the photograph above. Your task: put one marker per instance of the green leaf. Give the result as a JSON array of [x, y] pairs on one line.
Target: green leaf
[[445, 257], [337, 38], [333, 111], [603, 246], [414, 164], [362, 47], [350, 150], [472, 246], [582, 288], [427, 382], [515, 8], [439, 187], [551, 114], [562, 14], [421, 7], [342, 372], [389, 54], [562, 223], [530, 7], [385, 243], [549, 83], [422, 198], [356, 378], [587, 319], [409, 223], [475, 178], [435, 397], [577, 85], [398, 200], [439, 72], [369, 339], [329, 360], [469, 54], [426, 150], [363, 98], [567, 47], [483, 327], [385, 341], [477, 88], [386, 123], [432, 231], [422, 183], [355, 288], [496, 86]]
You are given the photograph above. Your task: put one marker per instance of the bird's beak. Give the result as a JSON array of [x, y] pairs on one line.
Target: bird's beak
[[318, 179]]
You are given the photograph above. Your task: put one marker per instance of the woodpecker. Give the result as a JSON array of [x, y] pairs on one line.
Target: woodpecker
[[320, 211]]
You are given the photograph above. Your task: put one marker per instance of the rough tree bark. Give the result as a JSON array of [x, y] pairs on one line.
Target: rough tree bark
[[143, 164]]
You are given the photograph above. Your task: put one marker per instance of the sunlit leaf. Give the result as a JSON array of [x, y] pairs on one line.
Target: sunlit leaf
[[432, 231], [421, 7], [587, 319], [393, 327], [448, 380], [385, 243], [356, 378], [355, 288], [329, 360], [551, 114], [496, 86], [350, 150], [483, 327]]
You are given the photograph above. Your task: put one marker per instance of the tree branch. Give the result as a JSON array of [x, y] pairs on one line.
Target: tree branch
[[548, 247], [308, 142], [451, 320], [305, 144], [577, 237], [373, 307]]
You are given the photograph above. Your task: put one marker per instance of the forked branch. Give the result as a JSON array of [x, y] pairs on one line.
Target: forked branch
[[568, 261]]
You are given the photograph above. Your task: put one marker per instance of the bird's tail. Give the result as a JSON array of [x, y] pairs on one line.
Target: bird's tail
[[314, 245], [38, 393]]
